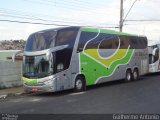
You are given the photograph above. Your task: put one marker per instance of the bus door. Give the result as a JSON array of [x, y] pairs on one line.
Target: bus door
[[154, 62], [62, 71], [156, 58]]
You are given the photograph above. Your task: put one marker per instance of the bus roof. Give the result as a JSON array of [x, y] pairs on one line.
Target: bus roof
[[102, 30], [92, 29]]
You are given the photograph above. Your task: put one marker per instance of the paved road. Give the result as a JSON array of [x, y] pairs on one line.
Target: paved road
[[141, 96]]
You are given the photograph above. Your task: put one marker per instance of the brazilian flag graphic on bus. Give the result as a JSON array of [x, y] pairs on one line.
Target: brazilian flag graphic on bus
[[104, 60]]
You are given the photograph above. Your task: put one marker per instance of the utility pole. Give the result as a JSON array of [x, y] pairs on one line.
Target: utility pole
[[121, 16]]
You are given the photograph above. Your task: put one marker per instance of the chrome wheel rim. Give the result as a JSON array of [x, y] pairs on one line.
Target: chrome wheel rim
[[79, 84], [128, 76], [135, 75]]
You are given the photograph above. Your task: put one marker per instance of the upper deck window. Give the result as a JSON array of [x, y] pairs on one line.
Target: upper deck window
[[66, 37], [51, 38], [41, 41]]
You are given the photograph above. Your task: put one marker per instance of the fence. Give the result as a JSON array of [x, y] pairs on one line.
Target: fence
[[10, 74]]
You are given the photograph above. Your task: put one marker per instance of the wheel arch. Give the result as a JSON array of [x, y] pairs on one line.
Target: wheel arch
[[136, 68], [128, 68], [79, 75]]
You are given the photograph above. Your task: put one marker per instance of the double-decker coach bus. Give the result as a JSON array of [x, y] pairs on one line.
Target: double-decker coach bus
[[76, 57], [154, 58]]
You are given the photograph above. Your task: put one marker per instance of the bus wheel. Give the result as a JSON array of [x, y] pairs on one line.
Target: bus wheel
[[135, 74], [80, 84], [128, 77]]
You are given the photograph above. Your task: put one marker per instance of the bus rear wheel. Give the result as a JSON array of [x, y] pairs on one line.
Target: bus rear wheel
[[128, 76], [80, 84], [135, 74]]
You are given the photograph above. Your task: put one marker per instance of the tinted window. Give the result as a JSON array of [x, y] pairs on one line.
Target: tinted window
[[50, 38], [143, 42], [66, 37], [134, 42], [106, 41], [85, 36], [124, 42], [63, 57], [110, 42], [97, 42], [41, 41], [156, 56], [36, 66], [94, 43], [62, 60], [138, 42]]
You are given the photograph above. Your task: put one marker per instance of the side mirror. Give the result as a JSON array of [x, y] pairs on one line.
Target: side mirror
[[15, 54], [154, 51], [49, 52]]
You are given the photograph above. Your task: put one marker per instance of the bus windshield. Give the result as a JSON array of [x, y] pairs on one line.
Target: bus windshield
[[49, 39], [41, 40], [36, 67]]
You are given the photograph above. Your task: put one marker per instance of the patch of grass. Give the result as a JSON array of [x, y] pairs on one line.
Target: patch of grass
[[11, 94]]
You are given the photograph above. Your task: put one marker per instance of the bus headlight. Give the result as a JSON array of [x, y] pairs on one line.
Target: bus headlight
[[48, 82]]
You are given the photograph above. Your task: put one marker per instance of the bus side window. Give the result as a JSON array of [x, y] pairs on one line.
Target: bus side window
[[138, 42], [124, 42], [84, 38], [66, 37], [109, 43], [142, 42], [60, 67], [156, 56], [134, 42]]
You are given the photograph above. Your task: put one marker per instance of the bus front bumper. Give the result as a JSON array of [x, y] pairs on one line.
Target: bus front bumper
[[44, 88], [47, 86]]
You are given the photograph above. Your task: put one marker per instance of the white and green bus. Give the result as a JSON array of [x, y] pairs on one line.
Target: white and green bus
[[76, 57], [154, 58]]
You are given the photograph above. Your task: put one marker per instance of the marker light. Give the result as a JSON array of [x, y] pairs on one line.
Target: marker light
[[34, 89]]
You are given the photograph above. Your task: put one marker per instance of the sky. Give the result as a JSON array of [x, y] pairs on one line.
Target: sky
[[46, 14]]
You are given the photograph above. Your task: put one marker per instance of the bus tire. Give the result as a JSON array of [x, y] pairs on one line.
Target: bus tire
[[128, 76], [80, 84], [135, 74]]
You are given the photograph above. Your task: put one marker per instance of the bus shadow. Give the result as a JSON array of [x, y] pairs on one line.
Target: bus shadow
[[106, 84], [91, 87], [67, 92], [51, 94], [153, 74], [121, 81]]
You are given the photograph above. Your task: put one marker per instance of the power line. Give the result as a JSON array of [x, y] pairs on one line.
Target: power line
[[39, 23], [16, 21], [129, 10], [28, 16], [22, 15], [81, 4], [153, 20], [39, 19], [66, 6], [45, 20]]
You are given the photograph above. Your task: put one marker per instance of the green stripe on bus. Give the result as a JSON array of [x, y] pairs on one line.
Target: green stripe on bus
[[87, 29], [29, 81], [120, 53], [89, 65]]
